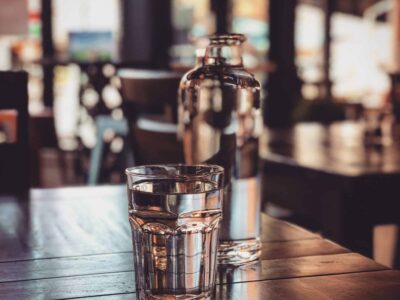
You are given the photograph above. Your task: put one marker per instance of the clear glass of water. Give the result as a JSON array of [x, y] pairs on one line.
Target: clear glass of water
[[175, 215]]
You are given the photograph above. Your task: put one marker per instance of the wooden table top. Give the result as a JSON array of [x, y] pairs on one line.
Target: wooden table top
[[76, 243], [337, 149]]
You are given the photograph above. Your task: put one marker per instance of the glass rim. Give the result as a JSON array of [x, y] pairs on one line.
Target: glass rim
[[212, 170]]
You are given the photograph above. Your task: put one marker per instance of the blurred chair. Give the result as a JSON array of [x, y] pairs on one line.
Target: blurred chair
[[149, 102], [14, 148], [154, 142], [42, 135], [104, 123], [150, 92]]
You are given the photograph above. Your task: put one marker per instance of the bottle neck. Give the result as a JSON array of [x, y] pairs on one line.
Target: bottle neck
[[222, 54]]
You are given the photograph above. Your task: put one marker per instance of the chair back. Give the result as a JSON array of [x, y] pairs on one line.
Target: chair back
[[155, 142], [150, 92], [14, 141], [150, 106]]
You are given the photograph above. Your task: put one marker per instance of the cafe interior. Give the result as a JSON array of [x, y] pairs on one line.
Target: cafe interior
[[89, 88]]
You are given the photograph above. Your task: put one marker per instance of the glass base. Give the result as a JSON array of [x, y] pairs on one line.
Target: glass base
[[239, 252]]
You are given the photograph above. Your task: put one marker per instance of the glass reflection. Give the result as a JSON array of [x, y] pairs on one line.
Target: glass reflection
[[234, 278]]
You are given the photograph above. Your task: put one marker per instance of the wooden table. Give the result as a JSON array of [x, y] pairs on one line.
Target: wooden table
[[328, 174], [76, 243]]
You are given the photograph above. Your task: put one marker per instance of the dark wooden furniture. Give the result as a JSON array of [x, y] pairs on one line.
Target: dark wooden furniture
[[327, 174], [76, 242], [283, 84], [42, 134], [156, 142], [150, 92], [150, 106], [14, 156]]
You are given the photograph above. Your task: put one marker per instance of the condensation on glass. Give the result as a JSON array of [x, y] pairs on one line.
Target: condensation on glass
[[219, 123]]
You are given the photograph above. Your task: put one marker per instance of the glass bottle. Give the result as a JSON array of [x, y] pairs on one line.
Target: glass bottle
[[219, 123]]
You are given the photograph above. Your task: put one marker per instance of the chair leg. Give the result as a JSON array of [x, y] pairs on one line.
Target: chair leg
[[95, 160]]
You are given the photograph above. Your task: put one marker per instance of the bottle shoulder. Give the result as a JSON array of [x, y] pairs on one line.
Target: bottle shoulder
[[226, 75]]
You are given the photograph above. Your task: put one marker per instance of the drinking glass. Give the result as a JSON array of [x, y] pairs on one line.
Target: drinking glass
[[175, 214]]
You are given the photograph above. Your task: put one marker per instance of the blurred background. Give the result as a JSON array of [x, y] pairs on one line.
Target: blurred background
[[334, 57]]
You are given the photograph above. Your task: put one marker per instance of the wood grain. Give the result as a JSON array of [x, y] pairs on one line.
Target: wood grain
[[298, 248], [66, 266], [360, 286], [298, 267], [123, 261], [76, 242], [71, 286], [84, 221], [64, 222], [274, 230]]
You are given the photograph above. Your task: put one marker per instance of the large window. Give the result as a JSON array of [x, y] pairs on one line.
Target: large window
[[194, 19], [360, 52], [191, 20], [309, 42], [250, 17], [360, 49], [89, 24]]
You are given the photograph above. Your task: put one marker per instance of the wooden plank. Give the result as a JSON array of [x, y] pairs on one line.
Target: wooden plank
[[299, 267], [274, 230], [299, 248], [318, 265], [68, 287], [66, 266], [358, 286], [84, 221], [64, 222], [123, 262], [120, 282]]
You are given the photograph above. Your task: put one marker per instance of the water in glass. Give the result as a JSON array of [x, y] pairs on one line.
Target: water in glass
[[175, 237]]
